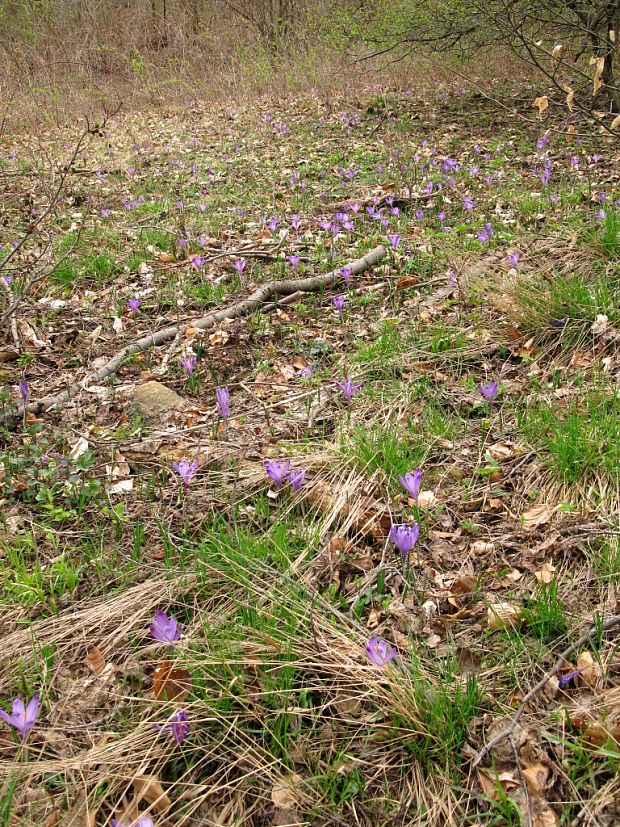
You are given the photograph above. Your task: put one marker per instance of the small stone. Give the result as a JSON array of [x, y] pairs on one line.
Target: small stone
[[156, 402]]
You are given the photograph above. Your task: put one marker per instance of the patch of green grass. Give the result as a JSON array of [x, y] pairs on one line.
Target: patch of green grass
[[444, 707], [568, 303], [580, 440], [544, 613], [386, 449], [606, 560], [606, 237]]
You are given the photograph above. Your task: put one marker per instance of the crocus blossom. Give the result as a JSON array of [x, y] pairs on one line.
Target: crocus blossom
[[404, 537], [489, 390], [294, 260], [348, 388], [513, 258], [143, 821], [412, 483], [379, 651], [177, 726], [277, 470], [22, 716], [23, 390], [239, 265], [394, 239], [297, 479], [189, 364], [484, 236], [133, 305], [222, 397], [165, 628], [346, 273], [338, 303], [186, 470]]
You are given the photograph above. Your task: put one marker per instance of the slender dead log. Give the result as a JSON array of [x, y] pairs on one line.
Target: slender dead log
[[255, 301]]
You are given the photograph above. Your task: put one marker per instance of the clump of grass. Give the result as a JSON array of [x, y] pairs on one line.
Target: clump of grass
[[568, 302], [606, 238], [544, 613], [580, 441], [383, 448]]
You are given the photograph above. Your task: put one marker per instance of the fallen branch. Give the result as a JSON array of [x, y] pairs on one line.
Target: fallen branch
[[257, 300], [560, 662]]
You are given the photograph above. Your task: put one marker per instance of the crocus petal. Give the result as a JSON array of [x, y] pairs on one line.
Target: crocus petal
[[8, 719], [32, 709]]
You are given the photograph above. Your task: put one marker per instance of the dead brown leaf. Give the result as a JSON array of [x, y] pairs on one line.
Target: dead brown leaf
[[95, 661], [536, 778], [171, 683], [536, 516], [149, 788], [500, 615], [546, 574], [591, 672], [283, 791]]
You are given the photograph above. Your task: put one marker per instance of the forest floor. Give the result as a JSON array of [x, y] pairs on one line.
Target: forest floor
[[301, 668]]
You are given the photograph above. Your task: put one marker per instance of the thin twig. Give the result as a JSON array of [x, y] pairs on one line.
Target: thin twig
[[509, 730]]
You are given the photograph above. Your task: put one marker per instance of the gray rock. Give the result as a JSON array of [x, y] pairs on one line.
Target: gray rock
[[156, 403]]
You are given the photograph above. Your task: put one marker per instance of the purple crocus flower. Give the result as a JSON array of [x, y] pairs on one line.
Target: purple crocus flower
[[468, 203], [22, 716], [222, 397], [189, 363], [277, 470], [346, 273], [338, 303], [240, 265], [297, 479], [165, 628], [485, 234], [394, 239], [106, 213], [405, 537], [565, 681], [7, 279], [143, 821], [295, 221], [294, 260], [198, 263], [419, 214], [379, 651], [514, 258], [429, 188], [412, 482], [23, 390], [186, 470], [348, 388], [489, 390], [177, 727], [133, 305], [273, 223]]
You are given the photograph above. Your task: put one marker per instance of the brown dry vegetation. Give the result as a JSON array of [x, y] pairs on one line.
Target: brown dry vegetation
[[277, 593]]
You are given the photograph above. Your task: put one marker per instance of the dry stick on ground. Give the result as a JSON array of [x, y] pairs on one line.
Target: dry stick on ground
[[255, 301], [509, 731]]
